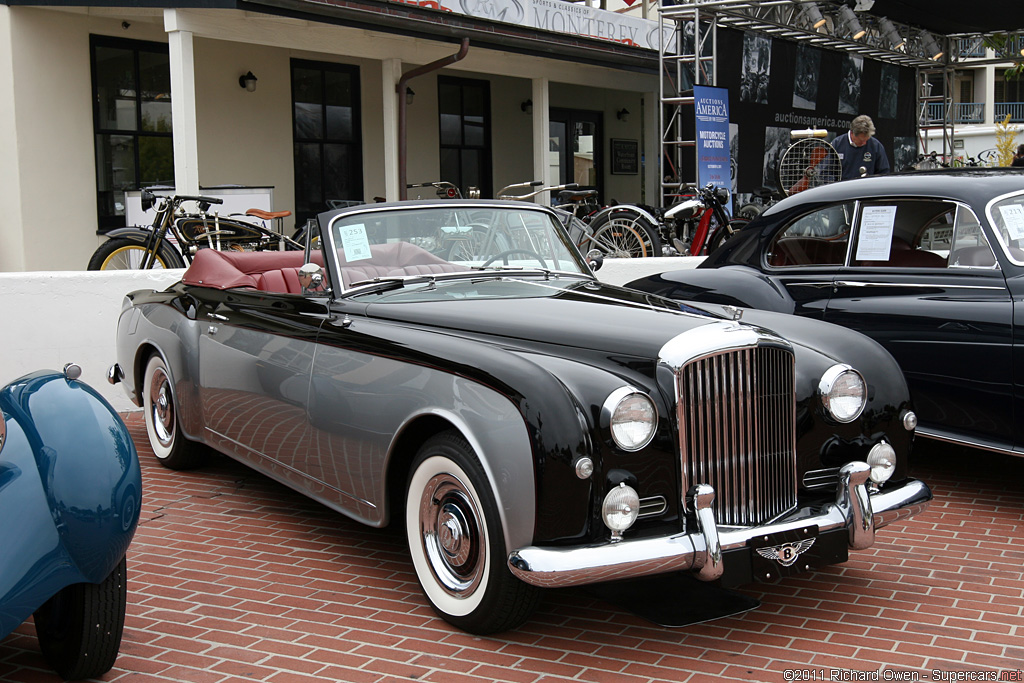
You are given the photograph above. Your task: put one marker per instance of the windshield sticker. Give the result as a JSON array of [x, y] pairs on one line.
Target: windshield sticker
[[354, 242], [1013, 218], [876, 224]]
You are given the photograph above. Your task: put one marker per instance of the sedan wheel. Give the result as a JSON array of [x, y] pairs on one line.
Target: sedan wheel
[[170, 446], [456, 541]]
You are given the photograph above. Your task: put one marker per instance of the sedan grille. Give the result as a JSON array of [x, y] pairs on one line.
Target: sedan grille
[[737, 416]]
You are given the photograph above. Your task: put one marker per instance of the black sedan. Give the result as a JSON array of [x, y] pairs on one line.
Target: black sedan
[[929, 264], [455, 367]]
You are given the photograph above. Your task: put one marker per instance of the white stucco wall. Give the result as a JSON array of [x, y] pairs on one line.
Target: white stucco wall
[[48, 319]]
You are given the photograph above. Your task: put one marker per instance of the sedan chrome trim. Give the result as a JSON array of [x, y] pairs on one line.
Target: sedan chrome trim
[[925, 432], [856, 509], [857, 283]]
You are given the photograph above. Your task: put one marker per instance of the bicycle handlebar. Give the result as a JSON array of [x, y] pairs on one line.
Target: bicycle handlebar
[[502, 194]]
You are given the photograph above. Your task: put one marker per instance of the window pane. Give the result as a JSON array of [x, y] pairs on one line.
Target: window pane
[[473, 103], [474, 131], [450, 164], [450, 133], [470, 169], [339, 173], [339, 106], [115, 172], [449, 99], [308, 188], [115, 89], [155, 91], [819, 238], [308, 100], [156, 160]]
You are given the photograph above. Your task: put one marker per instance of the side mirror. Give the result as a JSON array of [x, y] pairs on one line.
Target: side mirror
[[311, 277], [595, 259]]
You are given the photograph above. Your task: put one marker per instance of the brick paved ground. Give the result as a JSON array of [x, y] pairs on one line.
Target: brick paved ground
[[235, 578]]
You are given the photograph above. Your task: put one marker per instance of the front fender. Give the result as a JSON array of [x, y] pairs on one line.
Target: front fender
[[135, 234], [732, 285], [70, 475]]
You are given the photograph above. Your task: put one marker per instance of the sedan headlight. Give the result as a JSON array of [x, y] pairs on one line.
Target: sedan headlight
[[843, 393], [631, 417]]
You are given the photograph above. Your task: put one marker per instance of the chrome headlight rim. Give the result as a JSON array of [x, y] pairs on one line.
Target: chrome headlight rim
[[828, 383], [614, 402]]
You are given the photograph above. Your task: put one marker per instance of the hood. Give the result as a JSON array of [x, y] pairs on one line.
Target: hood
[[582, 314]]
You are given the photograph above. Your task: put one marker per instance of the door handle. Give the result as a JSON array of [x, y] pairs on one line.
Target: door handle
[[217, 316]]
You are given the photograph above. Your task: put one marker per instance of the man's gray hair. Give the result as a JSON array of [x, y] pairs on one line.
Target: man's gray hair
[[862, 124]]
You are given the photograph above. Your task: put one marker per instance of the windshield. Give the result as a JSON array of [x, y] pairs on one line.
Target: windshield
[[449, 237], [1007, 216]]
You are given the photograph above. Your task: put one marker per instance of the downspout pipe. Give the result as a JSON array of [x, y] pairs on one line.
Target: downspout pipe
[[403, 191]]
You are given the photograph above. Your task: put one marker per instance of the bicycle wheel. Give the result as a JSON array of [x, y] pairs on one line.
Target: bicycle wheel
[[120, 253], [624, 234]]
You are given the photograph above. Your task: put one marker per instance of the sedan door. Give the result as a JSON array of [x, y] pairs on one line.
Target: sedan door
[[255, 359], [804, 257], [923, 281]]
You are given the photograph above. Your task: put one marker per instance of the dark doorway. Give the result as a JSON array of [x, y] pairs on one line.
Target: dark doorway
[[464, 109], [326, 134], [578, 138]]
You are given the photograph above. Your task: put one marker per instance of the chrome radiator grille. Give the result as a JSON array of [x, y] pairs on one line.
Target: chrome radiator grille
[[737, 416]]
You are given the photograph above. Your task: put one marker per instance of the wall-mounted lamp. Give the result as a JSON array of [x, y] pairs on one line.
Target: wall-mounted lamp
[[891, 35], [813, 15], [849, 20], [125, 25], [527, 106], [622, 115], [409, 95], [248, 81], [931, 47]]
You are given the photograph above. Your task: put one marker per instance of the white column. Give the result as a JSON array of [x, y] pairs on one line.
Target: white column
[[541, 135], [652, 149], [391, 70], [183, 106], [988, 76]]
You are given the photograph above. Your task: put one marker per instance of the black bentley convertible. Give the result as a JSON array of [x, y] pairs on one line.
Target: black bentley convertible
[[929, 264], [455, 367]]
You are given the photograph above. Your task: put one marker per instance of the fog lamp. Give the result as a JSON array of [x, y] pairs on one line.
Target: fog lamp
[[843, 393], [882, 460], [620, 509]]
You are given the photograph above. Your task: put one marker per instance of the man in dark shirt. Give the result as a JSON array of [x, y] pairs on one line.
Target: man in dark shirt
[[858, 150]]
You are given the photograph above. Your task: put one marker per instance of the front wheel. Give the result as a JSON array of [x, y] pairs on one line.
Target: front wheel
[[723, 233], [79, 629], [121, 253], [456, 540], [624, 234], [160, 405]]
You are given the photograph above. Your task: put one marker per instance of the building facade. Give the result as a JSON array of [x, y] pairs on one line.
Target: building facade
[[101, 100]]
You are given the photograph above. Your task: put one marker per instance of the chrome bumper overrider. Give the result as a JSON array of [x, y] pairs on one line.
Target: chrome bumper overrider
[[115, 374], [856, 509]]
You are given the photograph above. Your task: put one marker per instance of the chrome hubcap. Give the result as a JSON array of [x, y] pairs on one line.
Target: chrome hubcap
[[450, 529], [162, 408]]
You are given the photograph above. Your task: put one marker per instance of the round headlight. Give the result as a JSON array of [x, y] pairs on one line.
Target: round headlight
[[631, 417], [620, 509], [843, 393], [882, 460]]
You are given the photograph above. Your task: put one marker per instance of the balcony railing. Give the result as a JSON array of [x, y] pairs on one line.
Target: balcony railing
[[1014, 109], [963, 112]]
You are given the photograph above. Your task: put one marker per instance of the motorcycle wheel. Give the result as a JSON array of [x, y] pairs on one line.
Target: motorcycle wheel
[[121, 253], [624, 234], [722, 234]]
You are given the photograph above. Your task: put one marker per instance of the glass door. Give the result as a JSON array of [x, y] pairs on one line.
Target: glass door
[[576, 148]]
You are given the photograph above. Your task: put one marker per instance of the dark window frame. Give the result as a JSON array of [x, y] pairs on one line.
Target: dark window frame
[[105, 223], [485, 150], [355, 142]]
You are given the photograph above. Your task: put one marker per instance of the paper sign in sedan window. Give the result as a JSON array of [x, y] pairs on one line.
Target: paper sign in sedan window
[[355, 242]]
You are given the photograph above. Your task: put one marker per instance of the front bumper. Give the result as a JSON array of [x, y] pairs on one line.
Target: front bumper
[[856, 509]]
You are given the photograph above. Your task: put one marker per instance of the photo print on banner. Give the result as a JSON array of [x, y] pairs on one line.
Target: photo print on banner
[[755, 74], [805, 83], [849, 86]]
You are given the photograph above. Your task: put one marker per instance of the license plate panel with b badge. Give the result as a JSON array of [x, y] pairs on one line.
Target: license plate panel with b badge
[[785, 553]]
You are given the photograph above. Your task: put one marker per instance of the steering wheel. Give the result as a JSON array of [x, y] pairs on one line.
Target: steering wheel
[[508, 252]]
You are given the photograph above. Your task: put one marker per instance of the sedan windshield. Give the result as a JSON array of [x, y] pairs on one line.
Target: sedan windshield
[[1007, 216], [449, 237]]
